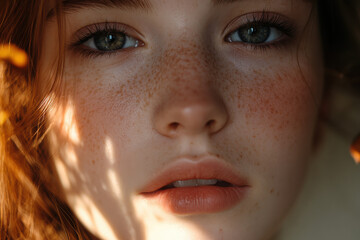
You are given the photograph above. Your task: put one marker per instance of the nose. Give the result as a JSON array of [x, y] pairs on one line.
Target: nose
[[191, 117], [189, 103]]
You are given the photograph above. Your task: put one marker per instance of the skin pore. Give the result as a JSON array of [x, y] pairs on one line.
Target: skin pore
[[183, 87]]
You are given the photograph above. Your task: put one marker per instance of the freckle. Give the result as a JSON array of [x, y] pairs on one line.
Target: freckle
[[272, 190], [257, 163], [160, 219], [221, 233], [93, 161]]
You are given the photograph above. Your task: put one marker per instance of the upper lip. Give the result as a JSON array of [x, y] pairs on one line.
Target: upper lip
[[184, 168]]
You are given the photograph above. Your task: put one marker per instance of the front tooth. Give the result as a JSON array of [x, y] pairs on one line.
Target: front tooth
[[194, 182], [202, 182], [185, 183]]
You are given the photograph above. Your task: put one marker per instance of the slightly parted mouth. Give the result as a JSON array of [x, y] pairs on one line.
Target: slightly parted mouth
[[197, 183], [185, 172]]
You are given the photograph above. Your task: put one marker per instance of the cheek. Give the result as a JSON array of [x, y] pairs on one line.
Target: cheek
[[275, 117], [275, 112], [88, 138], [95, 124], [278, 102]]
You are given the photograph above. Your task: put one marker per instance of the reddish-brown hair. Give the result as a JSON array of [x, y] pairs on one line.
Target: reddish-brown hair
[[29, 205]]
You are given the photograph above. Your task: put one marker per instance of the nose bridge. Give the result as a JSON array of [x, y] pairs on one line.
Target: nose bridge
[[189, 104], [188, 70]]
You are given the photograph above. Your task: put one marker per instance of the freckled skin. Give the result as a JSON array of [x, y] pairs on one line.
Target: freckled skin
[[120, 102]]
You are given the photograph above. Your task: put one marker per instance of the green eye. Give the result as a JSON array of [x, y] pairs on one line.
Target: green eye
[[109, 41], [255, 34]]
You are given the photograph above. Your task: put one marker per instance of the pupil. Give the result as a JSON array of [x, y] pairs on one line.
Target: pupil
[[111, 38], [109, 41], [254, 34], [251, 31]]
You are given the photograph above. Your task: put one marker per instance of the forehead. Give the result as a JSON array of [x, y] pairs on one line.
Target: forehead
[[129, 3], [73, 5], [69, 6]]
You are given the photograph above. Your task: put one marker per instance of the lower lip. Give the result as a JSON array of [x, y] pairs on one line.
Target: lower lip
[[195, 200]]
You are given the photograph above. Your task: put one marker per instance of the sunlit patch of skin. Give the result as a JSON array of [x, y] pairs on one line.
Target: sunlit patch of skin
[[109, 150], [69, 125], [160, 224], [64, 119], [63, 174], [111, 187], [90, 215], [116, 188]]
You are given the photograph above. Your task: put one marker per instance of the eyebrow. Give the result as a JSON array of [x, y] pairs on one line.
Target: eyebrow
[[68, 6]]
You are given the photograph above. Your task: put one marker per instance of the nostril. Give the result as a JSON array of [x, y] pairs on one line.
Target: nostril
[[173, 126], [210, 123]]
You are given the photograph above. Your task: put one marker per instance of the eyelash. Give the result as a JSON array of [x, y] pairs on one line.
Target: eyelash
[[90, 31], [266, 19]]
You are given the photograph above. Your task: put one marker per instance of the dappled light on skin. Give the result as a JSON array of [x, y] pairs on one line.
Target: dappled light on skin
[[115, 186], [116, 189], [90, 215], [176, 230], [68, 151], [114, 183], [72, 159], [63, 174], [83, 191], [159, 224], [82, 202], [109, 150], [69, 124], [64, 119]]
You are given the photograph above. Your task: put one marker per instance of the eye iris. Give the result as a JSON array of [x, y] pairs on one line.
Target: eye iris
[[109, 41], [254, 34]]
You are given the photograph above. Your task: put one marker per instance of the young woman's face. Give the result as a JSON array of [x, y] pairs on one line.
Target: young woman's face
[[183, 119]]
